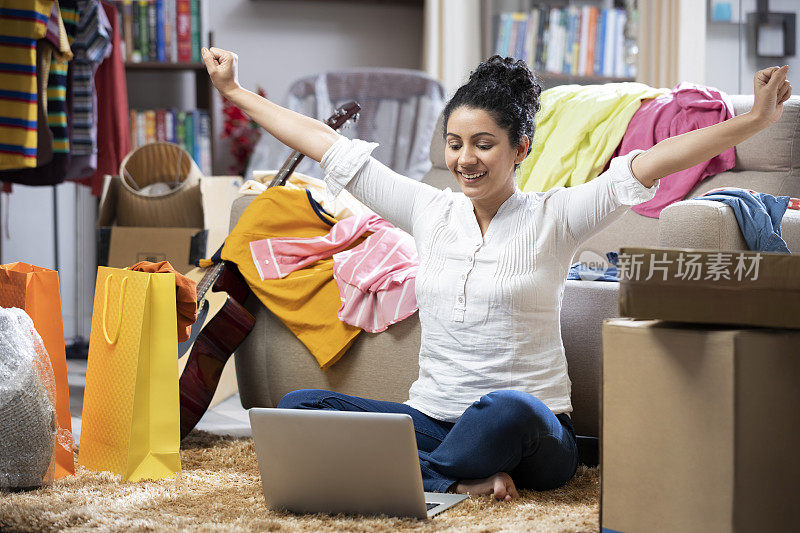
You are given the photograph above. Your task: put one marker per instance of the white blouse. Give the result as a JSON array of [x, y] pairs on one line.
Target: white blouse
[[489, 306]]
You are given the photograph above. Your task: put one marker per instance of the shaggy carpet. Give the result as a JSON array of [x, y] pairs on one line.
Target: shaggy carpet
[[220, 490]]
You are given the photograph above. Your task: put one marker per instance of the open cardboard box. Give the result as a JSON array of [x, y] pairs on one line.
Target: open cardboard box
[[180, 228]]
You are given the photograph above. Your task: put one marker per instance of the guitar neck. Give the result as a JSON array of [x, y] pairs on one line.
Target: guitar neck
[[209, 278], [286, 170], [337, 120]]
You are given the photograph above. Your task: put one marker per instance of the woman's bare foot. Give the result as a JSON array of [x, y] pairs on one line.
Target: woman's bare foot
[[500, 485]]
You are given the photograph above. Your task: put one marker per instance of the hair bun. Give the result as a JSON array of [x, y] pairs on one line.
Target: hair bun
[[512, 76], [505, 88]]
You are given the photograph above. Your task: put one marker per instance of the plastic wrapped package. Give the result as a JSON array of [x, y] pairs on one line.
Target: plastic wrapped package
[[28, 426]]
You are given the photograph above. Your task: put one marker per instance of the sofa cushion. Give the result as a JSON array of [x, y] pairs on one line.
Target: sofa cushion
[[774, 183], [630, 229], [272, 362], [776, 148], [441, 179], [437, 145], [585, 305], [703, 224], [708, 224]]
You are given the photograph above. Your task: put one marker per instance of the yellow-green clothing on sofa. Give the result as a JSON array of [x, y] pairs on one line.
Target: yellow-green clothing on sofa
[[577, 130]]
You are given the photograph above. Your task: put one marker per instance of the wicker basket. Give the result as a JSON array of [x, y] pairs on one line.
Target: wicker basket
[[179, 205]]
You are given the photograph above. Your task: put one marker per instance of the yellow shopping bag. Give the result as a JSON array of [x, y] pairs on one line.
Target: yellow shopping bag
[[131, 420]]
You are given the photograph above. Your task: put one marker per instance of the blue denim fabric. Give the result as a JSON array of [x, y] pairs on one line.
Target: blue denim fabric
[[759, 216], [505, 431], [579, 271]]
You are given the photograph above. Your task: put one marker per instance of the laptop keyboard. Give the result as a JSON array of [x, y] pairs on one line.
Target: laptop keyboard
[[429, 506]]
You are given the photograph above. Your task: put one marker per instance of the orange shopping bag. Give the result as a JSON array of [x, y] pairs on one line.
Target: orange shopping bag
[[131, 419], [36, 290]]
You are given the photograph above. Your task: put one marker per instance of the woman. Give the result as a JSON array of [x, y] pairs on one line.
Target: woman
[[491, 404]]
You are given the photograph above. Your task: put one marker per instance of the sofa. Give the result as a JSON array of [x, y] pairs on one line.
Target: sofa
[[272, 362]]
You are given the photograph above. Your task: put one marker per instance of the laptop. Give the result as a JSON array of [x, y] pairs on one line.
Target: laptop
[[342, 462]]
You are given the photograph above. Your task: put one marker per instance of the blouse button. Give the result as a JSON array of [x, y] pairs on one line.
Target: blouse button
[[463, 276], [469, 259], [460, 300]]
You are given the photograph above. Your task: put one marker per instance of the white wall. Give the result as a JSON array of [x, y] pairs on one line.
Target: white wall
[[691, 38], [31, 239], [277, 42], [730, 69], [280, 41]]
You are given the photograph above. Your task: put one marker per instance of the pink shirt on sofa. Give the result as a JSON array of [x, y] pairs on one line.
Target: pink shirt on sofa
[[687, 107], [375, 278]]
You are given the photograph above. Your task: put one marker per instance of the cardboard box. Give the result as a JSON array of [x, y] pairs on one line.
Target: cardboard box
[[712, 287], [700, 427], [181, 227]]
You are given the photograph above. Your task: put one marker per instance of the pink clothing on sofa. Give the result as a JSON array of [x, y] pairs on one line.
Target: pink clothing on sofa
[[687, 107], [375, 278]]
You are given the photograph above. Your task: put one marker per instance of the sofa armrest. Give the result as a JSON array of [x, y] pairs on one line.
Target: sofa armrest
[[585, 305], [708, 224], [238, 206], [701, 224]]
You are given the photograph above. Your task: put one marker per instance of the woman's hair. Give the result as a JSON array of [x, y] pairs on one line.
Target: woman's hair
[[507, 90]]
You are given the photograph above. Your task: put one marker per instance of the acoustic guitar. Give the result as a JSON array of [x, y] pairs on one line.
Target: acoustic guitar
[[222, 320]]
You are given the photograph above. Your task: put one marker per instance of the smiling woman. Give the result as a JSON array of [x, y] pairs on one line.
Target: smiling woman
[[489, 131], [491, 404], [480, 155]]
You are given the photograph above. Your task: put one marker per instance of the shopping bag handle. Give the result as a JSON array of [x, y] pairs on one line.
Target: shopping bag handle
[[109, 340]]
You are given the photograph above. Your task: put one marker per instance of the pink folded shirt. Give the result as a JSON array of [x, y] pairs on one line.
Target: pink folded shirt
[[375, 279], [687, 107]]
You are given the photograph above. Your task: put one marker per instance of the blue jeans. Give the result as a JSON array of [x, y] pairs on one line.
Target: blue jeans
[[505, 431]]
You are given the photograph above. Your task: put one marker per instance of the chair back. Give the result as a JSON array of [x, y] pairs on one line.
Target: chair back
[[399, 108]]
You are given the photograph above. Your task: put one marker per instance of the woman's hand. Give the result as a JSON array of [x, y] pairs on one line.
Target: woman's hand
[[223, 67], [771, 90]]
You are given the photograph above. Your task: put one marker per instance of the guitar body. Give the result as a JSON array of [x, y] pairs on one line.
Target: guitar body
[[226, 325]]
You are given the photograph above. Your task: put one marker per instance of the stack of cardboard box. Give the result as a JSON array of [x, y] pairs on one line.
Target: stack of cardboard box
[[701, 393]]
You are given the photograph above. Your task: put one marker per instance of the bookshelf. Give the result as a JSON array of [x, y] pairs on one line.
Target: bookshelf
[[170, 96], [204, 94], [563, 38]]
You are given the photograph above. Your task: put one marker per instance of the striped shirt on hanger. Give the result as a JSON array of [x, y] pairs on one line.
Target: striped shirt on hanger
[[91, 45], [22, 23], [61, 34]]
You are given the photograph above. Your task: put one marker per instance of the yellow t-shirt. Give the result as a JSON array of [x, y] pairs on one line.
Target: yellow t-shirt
[[577, 130], [306, 300]]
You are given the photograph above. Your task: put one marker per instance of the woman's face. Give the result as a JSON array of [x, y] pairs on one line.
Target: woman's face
[[479, 154]]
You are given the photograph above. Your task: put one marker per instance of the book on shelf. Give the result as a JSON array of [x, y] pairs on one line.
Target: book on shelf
[[152, 31], [195, 11], [572, 40], [503, 30], [184, 29], [160, 27], [165, 31], [189, 129]]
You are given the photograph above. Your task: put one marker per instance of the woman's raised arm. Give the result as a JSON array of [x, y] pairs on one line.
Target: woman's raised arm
[[400, 200], [308, 136], [771, 90]]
